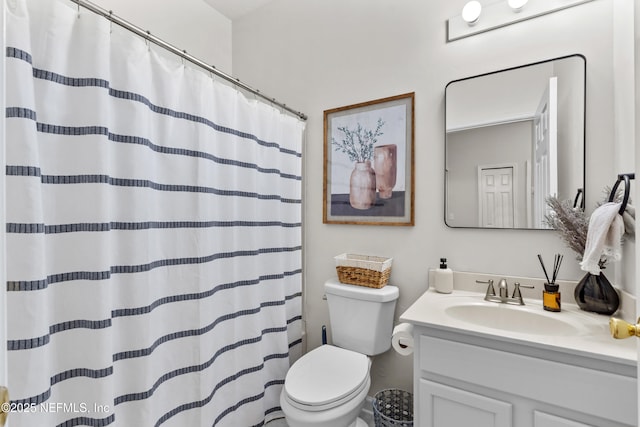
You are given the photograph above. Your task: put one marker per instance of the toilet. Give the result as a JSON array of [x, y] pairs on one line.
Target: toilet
[[328, 386]]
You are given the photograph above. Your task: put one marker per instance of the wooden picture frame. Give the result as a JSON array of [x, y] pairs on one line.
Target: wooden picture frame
[[368, 163]]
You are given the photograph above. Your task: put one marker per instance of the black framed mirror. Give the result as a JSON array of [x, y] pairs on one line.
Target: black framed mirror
[[513, 138]]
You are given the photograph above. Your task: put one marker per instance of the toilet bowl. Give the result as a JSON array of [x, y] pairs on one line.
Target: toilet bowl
[[326, 388]]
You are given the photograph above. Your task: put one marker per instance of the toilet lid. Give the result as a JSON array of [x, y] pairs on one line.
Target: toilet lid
[[326, 375]]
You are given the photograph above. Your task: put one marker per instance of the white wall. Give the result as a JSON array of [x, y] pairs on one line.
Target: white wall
[[625, 133], [190, 25], [322, 55]]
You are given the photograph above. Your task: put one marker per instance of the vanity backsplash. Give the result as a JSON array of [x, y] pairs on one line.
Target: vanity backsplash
[[467, 281]]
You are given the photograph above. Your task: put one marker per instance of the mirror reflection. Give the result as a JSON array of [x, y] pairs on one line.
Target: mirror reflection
[[513, 138]]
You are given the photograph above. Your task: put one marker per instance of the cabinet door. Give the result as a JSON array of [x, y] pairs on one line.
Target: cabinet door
[[444, 406], [540, 419]]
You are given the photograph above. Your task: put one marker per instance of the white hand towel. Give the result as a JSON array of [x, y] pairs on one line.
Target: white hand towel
[[604, 237], [629, 218]]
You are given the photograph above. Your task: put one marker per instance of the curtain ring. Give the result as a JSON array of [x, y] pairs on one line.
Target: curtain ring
[[111, 22], [148, 41], [236, 85]]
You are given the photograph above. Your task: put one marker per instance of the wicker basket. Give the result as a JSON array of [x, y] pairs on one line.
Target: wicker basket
[[363, 270]]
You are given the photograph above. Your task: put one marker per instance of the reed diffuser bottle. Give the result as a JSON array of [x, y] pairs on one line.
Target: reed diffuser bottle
[[551, 297], [551, 292]]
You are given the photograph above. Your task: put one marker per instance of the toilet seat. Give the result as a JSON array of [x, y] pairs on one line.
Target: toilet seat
[[326, 377]]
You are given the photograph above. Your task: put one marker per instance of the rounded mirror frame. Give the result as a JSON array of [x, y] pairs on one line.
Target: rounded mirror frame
[[485, 111]]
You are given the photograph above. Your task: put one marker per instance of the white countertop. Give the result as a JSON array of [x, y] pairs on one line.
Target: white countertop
[[592, 338]]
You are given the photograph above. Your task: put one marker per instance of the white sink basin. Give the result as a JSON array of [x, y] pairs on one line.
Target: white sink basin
[[571, 331], [512, 318]]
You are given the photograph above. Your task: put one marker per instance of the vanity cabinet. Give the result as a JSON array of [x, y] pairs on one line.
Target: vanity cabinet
[[466, 380]]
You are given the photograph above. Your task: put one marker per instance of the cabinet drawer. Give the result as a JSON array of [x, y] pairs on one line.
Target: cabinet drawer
[[592, 392]]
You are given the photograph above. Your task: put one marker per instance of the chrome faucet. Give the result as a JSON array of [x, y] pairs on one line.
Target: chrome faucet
[[503, 289], [503, 292]]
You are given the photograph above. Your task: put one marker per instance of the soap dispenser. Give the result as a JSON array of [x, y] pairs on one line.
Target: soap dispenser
[[443, 278]]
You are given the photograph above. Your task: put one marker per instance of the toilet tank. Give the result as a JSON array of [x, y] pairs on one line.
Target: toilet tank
[[361, 317]]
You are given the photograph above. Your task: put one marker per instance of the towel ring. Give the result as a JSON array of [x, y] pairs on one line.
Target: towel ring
[[626, 177]]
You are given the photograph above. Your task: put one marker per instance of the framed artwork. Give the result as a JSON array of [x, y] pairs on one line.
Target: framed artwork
[[368, 163]]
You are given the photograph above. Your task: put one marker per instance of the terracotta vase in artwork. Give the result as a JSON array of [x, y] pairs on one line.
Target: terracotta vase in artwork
[[385, 165], [362, 194]]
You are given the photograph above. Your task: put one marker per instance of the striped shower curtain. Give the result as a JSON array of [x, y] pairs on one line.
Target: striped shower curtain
[[153, 232]]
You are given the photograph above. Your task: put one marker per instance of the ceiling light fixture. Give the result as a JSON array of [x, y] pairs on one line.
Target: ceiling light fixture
[[471, 12], [517, 5], [498, 13]]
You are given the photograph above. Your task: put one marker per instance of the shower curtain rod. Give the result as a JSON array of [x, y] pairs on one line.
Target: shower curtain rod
[[182, 53]]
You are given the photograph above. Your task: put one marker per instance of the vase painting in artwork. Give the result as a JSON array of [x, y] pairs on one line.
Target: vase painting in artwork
[[358, 144], [385, 166], [362, 194]]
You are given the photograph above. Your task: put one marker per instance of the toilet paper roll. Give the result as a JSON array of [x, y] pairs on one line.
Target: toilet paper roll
[[402, 339]]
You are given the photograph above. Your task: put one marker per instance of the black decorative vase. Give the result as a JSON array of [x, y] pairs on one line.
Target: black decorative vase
[[595, 293]]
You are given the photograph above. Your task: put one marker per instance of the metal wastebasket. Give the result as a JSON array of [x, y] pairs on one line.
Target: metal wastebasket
[[393, 408]]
